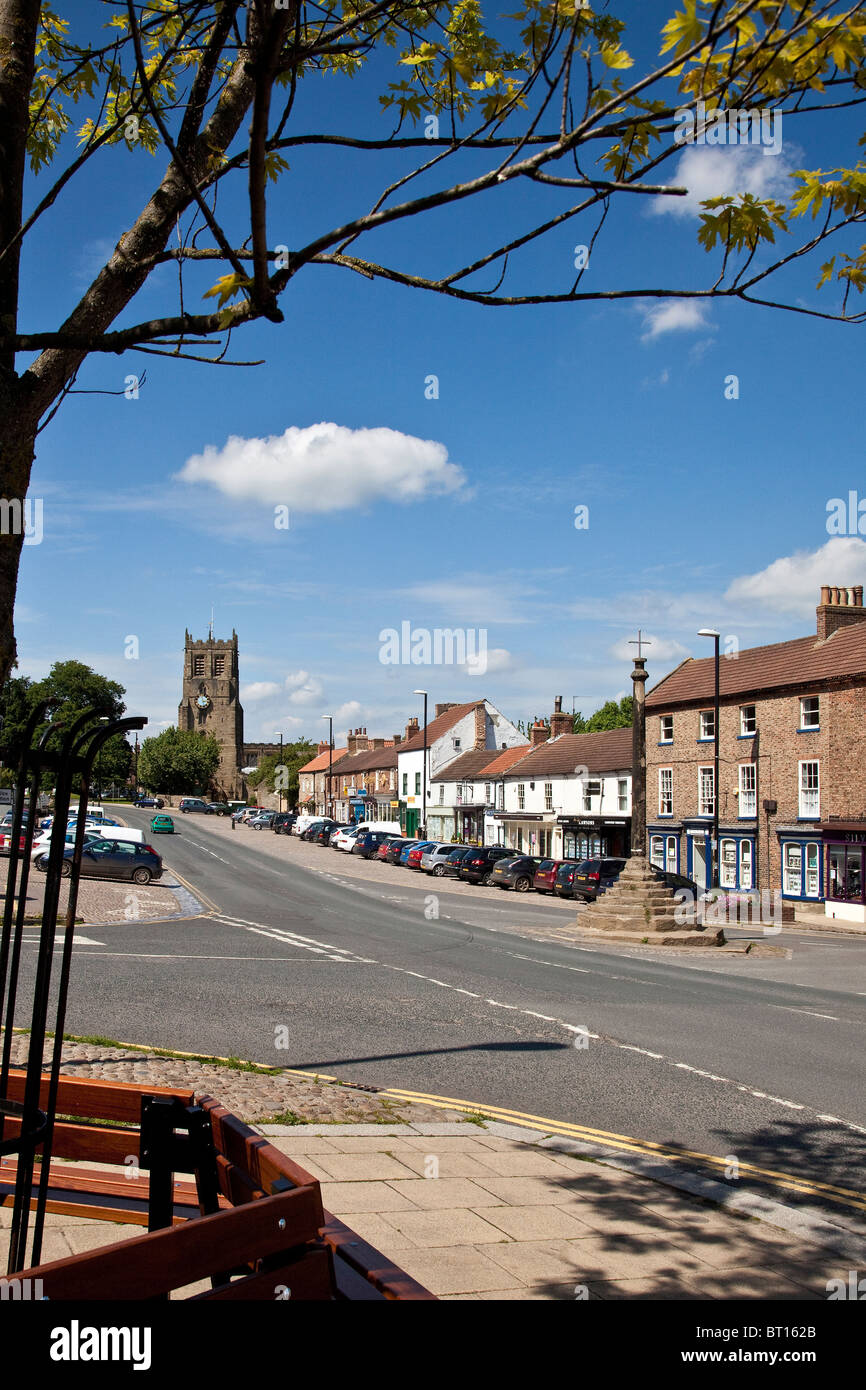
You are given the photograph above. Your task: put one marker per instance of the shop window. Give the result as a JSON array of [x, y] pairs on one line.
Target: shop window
[[813, 873], [845, 873], [793, 870], [671, 854], [745, 863], [657, 850], [728, 864]]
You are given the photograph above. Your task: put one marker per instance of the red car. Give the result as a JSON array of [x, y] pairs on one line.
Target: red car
[[545, 876], [6, 843], [413, 858]]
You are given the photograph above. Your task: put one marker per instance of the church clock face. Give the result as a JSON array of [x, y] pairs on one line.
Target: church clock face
[[203, 702]]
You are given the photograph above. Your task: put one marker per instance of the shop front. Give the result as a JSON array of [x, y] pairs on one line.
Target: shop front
[[594, 837], [801, 851], [844, 848], [526, 833]]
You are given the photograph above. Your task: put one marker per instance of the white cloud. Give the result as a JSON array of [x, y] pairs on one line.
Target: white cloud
[[487, 662], [303, 688], [792, 584], [672, 316], [258, 690], [346, 715], [327, 468], [710, 171]]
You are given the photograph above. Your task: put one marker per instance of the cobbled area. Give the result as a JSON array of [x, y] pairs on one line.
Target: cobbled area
[[281, 1097], [102, 901]]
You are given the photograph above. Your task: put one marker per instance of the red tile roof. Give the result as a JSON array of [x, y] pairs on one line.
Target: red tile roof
[[371, 759], [469, 764], [804, 661], [320, 762], [609, 750], [504, 759]]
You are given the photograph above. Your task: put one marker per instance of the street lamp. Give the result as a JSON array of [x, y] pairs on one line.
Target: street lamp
[[330, 719], [280, 774], [711, 632], [423, 826]]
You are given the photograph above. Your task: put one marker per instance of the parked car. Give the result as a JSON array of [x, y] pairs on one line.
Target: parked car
[[6, 843], [283, 822], [219, 808], [263, 821], [311, 829], [111, 832], [593, 876], [344, 837], [414, 847], [545, 874], [162, 825], [517, 873], [433, 860], [676, 881], [42, 844], [101, 859], [450, 866], [325, 831], [148, 801], [367, 843], [303, 822], [394, 850], [478, 866], [194, 803]]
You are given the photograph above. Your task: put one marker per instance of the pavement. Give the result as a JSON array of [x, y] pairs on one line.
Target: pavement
[[475, 1209]]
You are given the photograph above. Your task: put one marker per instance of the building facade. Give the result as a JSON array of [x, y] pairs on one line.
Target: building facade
[[792, 765], [454, 730]]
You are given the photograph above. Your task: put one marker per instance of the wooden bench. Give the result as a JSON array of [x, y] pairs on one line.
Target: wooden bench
[[270, 1231]]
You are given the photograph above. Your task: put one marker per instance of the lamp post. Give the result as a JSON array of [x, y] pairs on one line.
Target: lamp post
[[280, 772], [714, 875], [330, 719], [423, 826]]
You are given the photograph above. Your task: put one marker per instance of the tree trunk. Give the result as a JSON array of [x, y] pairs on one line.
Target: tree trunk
[[16, 459]]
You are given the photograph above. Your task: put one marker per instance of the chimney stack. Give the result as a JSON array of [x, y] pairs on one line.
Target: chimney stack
[[839, 607], [560, 723], [412, 727], [440, 709], [538, 733]]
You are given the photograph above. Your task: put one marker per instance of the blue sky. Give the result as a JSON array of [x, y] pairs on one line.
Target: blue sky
[[703, 511]]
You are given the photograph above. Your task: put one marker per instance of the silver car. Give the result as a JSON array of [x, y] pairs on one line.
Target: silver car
[[433, 859]]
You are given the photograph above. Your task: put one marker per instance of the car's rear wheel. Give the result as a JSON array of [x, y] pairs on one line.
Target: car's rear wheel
[[142, 875], [65, 869], [522, 885], [42, 863], [438, 870], [485, 880]]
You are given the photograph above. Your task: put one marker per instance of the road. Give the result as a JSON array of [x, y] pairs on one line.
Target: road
[[760, 1060]]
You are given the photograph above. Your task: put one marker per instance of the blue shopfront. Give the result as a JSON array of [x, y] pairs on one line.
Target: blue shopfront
[[802, 857], [687, 848]]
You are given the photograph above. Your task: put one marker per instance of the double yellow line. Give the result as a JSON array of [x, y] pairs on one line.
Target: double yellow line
[[628, 1144]]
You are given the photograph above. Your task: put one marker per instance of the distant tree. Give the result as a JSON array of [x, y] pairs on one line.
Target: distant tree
[[611, 716], [178, 761], [293, 758], [76, 687]]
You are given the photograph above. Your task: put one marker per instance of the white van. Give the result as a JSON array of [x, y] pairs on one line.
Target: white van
[[93, 812], [388, 827], [120, 832]]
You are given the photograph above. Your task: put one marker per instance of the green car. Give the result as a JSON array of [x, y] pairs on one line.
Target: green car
[[162, 825]]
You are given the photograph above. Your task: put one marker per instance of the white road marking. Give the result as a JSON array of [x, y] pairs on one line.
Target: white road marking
[[340, 953], [789, 1008]]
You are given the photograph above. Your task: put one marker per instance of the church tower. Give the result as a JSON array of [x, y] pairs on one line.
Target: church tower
[[210, 704]]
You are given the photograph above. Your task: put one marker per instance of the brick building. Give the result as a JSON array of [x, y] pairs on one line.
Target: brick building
[[792, 769], [313, 780], [364, 786]]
